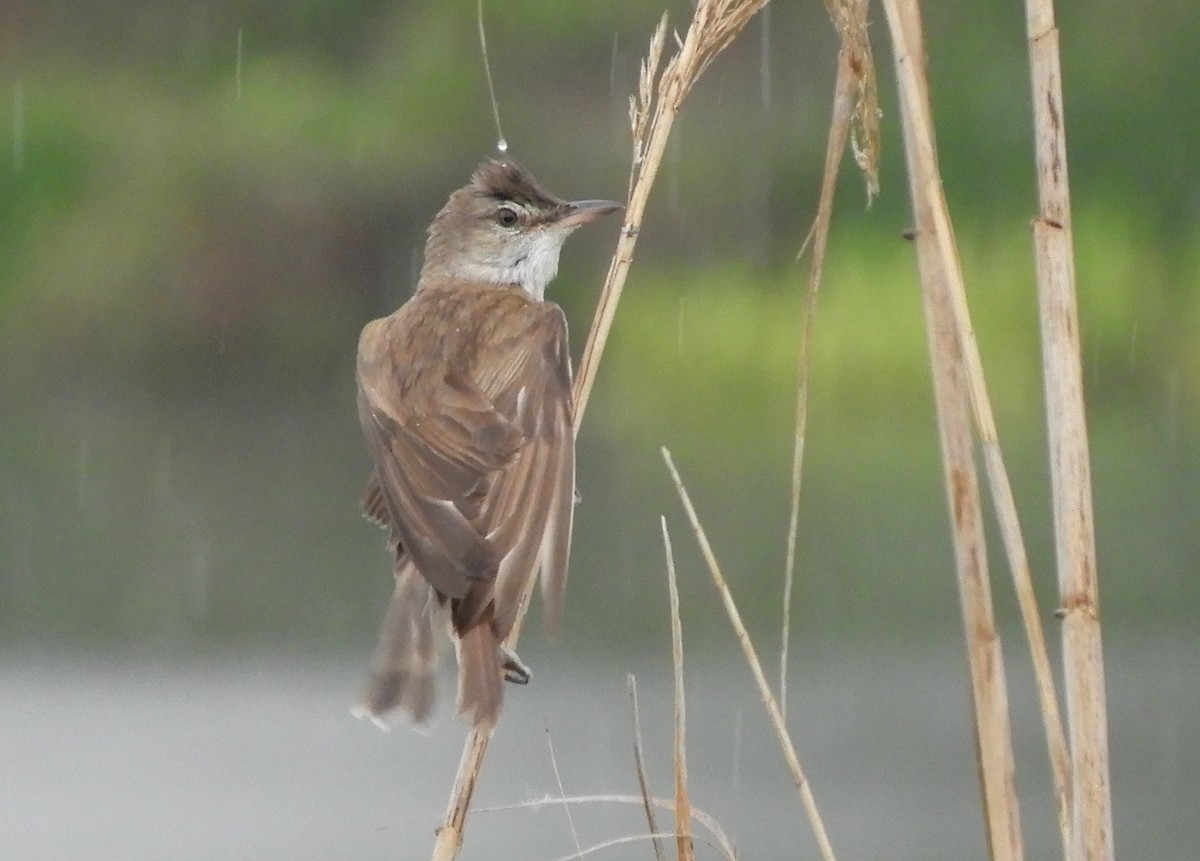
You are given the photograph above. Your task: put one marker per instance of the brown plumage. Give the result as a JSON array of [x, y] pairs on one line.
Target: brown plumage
[[464, 395]]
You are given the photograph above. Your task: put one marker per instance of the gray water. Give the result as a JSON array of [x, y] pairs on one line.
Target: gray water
[[188, 598], [254, 756]]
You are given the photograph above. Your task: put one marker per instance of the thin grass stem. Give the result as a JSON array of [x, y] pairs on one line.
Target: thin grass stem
[[640, 765], [764, 689], [683, 841]]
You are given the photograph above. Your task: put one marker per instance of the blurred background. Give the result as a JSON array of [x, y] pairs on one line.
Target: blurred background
[[202, 204]]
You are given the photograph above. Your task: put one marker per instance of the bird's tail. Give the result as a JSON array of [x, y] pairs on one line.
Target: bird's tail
[[480, 676], [403, 671]]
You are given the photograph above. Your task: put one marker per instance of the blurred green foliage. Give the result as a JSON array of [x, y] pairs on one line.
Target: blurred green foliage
[[200, 206]]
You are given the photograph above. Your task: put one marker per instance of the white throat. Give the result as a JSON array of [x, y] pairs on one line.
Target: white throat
[[530, 261]]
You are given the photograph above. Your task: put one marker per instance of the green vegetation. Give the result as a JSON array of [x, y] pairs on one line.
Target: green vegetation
[[189, 243]]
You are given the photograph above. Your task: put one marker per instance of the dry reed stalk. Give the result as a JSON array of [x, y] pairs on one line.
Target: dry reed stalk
[[715, 24], [1014, 545], [640, 765], [1010, 531], [684, 849], [941, 280], [1013, 541], [854, 104], [1083, 661], [764, 689]]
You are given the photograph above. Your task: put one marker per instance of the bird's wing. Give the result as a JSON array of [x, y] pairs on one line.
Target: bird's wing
[[528, 510], [477, 480], [434, 455]]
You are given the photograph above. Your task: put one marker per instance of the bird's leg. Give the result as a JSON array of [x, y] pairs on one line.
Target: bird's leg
[[515, 670]]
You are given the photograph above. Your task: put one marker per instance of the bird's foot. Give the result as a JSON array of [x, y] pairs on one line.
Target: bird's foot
[[514, 668]]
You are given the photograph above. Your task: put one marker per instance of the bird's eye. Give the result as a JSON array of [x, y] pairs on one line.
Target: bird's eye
[[506, 216]]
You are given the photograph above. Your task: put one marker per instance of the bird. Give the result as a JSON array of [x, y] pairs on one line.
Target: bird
[[464, 397]]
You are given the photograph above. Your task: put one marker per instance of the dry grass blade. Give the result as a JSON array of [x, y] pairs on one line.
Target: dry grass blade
[[850, 20], [562, 791], [683, 816], [1010, 530], [764, 689], [652, 113], [616, 841], [720, 840], [641, 105], [714, 25], [640, 765], [854, 104], [949, 347], [1091, 828]]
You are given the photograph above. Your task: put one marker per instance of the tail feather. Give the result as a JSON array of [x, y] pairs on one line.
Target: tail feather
[[403, 670], [480, 675]]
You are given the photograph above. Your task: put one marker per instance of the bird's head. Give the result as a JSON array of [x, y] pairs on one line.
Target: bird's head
[[505, 227]]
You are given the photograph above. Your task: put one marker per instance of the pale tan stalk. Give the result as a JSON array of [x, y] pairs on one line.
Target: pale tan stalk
[[1010, 532], [1091, 829], [853, 104], [640, 765], [684, 849], [715, 24], [941, 280], [764, 689]]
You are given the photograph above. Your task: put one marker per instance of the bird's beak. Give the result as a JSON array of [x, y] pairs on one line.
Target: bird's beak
[[581, 212]]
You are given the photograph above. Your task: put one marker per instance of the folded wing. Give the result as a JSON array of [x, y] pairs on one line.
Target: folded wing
[[476, 477]]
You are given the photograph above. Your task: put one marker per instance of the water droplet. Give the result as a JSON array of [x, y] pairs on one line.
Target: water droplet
[[679, 326], [85, 457], [764, 57], [502, 145], [237, 74], [164, 473], [198, 579], [612, 66], [18, 124]]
